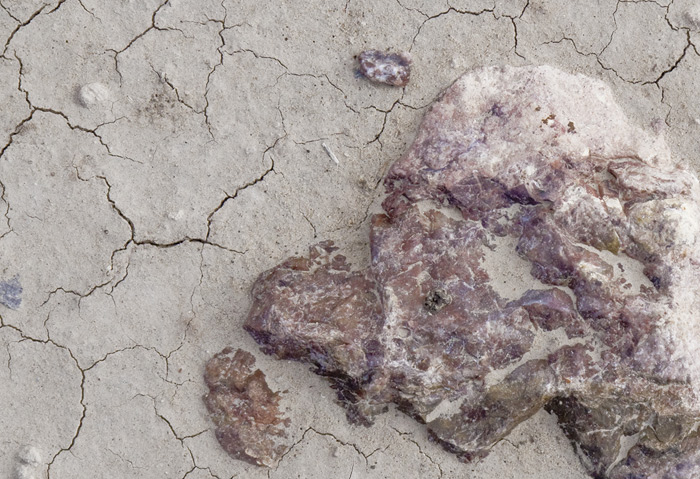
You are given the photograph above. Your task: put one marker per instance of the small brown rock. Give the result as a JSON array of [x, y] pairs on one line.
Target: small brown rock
[[249, 425]]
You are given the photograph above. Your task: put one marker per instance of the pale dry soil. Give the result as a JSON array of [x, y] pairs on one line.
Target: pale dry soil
[[136, 213]]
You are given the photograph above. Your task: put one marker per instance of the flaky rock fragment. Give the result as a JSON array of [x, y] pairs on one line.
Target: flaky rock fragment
[[249, 425], [513, 168], [389, 68]]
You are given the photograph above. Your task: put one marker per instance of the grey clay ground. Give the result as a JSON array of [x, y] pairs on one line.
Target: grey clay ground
[[156, 157]]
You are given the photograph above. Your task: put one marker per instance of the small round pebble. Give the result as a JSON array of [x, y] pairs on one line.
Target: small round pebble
[[693, 16], [29, 455], [24, 471], [92, 94]]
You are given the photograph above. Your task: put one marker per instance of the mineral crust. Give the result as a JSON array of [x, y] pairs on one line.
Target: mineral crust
[[539, 168], [389, 68], [249, 425]]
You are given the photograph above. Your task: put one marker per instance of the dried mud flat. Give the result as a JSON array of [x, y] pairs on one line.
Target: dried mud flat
[[155, 157]]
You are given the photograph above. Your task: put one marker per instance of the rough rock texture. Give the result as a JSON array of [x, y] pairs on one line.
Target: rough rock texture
[[543, 170], [249, 425], [390, 68]]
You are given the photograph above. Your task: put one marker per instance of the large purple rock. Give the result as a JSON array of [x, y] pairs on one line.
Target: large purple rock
[[537, 251]]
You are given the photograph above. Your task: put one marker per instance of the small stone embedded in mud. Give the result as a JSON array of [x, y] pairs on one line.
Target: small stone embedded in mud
[[92, 94], [29, 455], [249, 425], [494, 283], [28, 463], [389, 68], [11, 293]]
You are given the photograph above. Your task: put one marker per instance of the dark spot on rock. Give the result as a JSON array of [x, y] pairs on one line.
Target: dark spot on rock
[[549, 120], [497, 110], [436, 300]]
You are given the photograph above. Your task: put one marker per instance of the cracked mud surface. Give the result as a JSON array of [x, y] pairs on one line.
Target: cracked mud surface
[[136, 222]]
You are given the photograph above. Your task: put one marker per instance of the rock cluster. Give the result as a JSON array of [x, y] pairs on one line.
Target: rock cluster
[[516, 169]]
